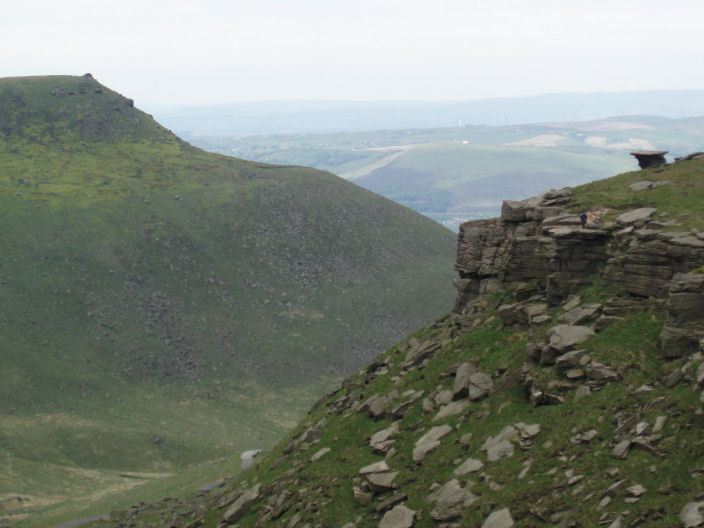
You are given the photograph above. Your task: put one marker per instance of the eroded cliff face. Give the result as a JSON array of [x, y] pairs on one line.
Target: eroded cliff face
[[538, 247]]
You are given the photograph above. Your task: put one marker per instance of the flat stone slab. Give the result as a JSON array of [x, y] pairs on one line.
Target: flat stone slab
[[451, 409], [499, 519], [470, 465], [563, 337], [429, 441], [381, 482], [398, 517], [637, 216], [320, 454], [241, 505]]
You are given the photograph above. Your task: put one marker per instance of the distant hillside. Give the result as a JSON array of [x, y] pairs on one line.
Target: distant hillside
[[161, 306], [456, 174], [310, 117], [565, 389]]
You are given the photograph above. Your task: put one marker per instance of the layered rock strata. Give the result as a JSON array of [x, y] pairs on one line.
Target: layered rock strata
[[538, 246]]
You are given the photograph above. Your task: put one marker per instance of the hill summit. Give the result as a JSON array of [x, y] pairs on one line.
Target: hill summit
[[162, 307], [565, 389], [66, 108]]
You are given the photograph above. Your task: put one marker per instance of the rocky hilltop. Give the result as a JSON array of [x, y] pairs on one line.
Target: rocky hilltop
[[564, 389]]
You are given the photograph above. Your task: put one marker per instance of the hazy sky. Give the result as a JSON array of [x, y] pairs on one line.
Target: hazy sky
[[210, 51]]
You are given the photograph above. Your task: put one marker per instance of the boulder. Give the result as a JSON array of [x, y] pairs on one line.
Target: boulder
[[563, 337], [376, 405], [460, 388], [480, 385], [450, 500], [381, 482], [362, 497], [691, 514], [468, 466], [581, 314], [398, 517], [636, 217], [429, 441], [527, 431], [381, 441], [500, 446], [451, 409], [600, 372], [499, 519], [621, 449], [241, 505], [570, 359]]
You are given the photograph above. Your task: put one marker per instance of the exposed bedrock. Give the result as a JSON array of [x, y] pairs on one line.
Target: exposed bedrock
[[539, 246]]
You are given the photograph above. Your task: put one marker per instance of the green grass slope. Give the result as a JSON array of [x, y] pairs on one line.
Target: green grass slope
[[565, 473], [161, 306]]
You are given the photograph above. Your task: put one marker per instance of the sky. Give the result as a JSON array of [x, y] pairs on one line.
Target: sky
[[199, 52]]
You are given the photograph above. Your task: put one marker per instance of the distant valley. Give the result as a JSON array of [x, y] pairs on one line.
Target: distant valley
[[456, 174]]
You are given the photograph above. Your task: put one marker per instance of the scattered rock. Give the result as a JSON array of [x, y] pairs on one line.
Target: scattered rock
[[468, 466], [241, 505], [376, 467], [398, 517], [563, 337], [659, 424], [570, 359], [376, 405], [450, 500], [500, 446], [381, 441], [527, 431], [636, 490], [429, 441], [581, 314], [636, 217], [362, 497], [480, 385], [451, 409], [388, 502], [461, 385], [380, 482], [582, 392], [499, 519], [691, 514], [621, 449], [600, 372], [320, 454]]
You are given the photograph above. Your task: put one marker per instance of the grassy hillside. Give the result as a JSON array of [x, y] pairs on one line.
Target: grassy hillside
[[161, 306], [560, 465]]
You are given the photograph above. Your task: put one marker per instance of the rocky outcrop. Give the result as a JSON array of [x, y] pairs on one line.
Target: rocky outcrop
[[536, 242]]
